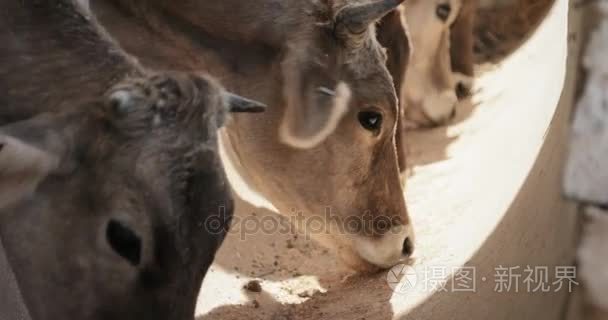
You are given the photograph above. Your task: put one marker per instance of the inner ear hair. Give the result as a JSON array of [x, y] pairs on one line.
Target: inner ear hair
[[303, 140], [22, 168]]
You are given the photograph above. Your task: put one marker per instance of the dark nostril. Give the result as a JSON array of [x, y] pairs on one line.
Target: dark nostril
[[408, 247], [461, 90], [124, 241], [453, 114]]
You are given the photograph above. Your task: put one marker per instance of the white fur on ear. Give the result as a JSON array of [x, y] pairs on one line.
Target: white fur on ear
[[22, 168], [338, 110]]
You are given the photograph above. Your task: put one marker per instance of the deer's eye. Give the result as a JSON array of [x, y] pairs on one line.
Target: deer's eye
[[370, 120], [443, 11]]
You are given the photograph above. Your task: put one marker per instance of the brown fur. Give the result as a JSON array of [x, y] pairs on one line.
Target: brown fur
[[441, 68], [392, 34], [462, 39], [500, 29], [53, 58], [103, 201], [118, 228], [248, 46]]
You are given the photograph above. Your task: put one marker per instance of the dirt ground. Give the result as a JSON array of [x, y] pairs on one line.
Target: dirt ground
[[299, 279]]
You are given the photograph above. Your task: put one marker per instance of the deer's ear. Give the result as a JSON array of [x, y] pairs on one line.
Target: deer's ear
[[240, 104], [315, 101], [392, 35], [30, 150], [22, 168]]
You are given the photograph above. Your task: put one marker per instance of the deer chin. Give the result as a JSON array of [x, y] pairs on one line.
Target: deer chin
[[388, 249], [364, 254], [440, 107]]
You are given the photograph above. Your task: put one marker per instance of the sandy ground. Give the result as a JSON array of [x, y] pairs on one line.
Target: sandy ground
[[298, 279]]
